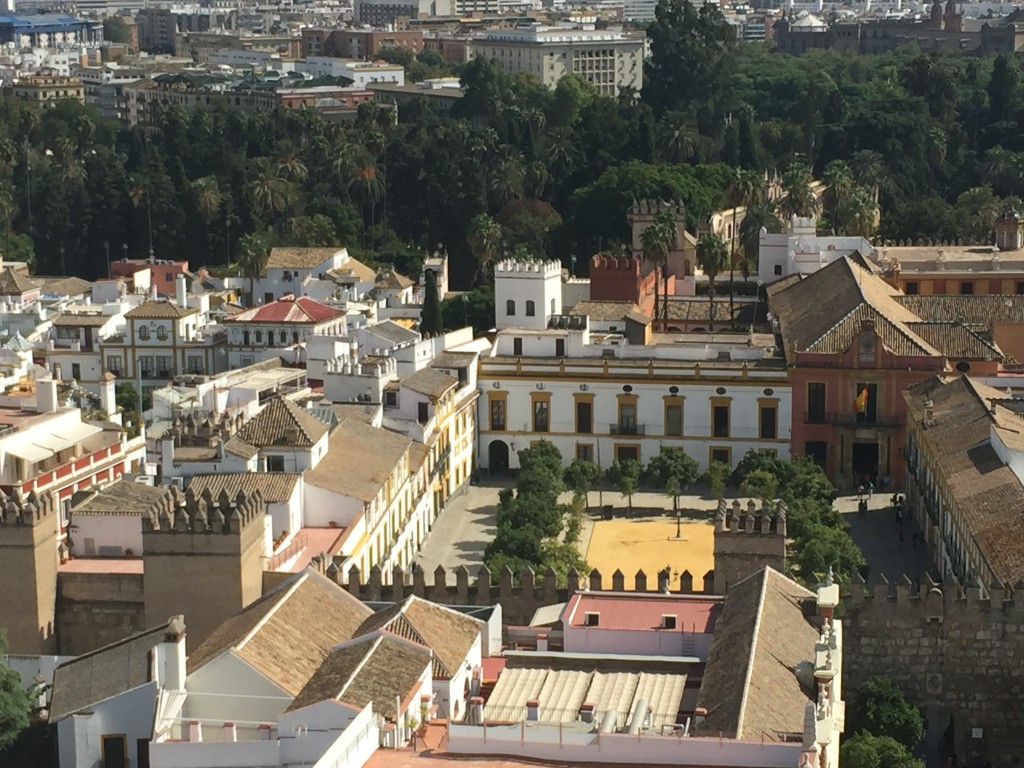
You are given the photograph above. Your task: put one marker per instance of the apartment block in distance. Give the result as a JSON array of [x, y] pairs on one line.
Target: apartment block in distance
[[610, 60]]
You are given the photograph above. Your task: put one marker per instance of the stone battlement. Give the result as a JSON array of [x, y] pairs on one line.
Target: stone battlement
[[540, 269], [931, 601], [654, 207], [203, 513], [631, 265], [21, 509], [748, 519]]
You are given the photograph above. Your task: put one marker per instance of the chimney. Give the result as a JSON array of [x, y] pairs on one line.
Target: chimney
[[542, 643], [166, 459], [828, 598], [532, 710], [46, 395], [180, 294], [108, 399], [152, 290]]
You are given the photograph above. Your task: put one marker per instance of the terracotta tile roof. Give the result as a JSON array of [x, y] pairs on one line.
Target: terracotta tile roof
[[159, 310], [275, 487], [124, 497], [986, 493], [359, 460], [699, 310], [81, 320], [235, 446], [282, 422], [956, 341], [109, 671], [823, 312], [287, 310], [980, 310], [392, 280], [14, 284], [287, 634], [378, 668], [449, 634], [604, 311], [392, 331], [453, 360], [63, 286], [299, 258], [430, 382], [750, 687], [353, 270]]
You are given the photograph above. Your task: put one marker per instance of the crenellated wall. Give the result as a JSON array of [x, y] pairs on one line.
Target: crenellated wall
[[961, 649]]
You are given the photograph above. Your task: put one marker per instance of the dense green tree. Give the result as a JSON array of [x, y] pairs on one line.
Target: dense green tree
[[14, 702], [671, 462], [880, 709], [863, 750], [580, 476], [626, 476], [713, 257]]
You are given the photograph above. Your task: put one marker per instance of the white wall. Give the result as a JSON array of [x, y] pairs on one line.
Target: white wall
[[80, 737], [287, 515], [122, 531], [323, 507], [648, 642], [450, 694], [540, 282], [252, 697]]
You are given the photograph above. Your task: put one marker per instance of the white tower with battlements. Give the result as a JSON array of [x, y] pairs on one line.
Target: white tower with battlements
[[526, 293]]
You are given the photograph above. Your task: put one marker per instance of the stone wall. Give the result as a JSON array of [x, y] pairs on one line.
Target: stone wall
[[747, 538], [946, 647], [95, 609]]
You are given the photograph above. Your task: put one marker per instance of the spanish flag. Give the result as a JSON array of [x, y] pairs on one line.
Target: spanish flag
[[861, 403]]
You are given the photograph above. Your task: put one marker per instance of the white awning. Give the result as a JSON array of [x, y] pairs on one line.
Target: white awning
[[30, 453], [54, 443], [80, 431]]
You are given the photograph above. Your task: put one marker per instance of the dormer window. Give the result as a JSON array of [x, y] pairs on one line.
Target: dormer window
[[591, 619], [668, 621]]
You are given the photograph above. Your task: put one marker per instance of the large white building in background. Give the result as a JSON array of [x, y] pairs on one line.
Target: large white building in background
[[800, 250], [611, 394], [610, 60]]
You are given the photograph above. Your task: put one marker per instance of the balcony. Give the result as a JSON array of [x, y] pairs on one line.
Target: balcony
[[626, 429], [855, 420]]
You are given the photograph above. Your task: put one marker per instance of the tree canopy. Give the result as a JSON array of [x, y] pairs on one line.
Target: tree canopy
[[880, 708], [14, 702]]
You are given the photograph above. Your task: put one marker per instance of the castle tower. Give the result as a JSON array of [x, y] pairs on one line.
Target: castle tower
[[746, 540], [202, 558], [526, 293], [28, 569], [642, 214], [935, 19], [954, 22], [1010, 232]]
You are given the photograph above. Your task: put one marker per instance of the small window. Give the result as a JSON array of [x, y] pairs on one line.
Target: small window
[[144, 332], [531, 309], [540, 416], [674, 420], [390, 399], [910, 289], [1020, 288], [721, 455], [517, 347], [161, 333], [275, 463], [559, 347], [423, 413], [769, 422], [668, 621], [966, 289], [585, 452], [720, 421], [498, 415], [510, 308], [591, 619], [268, 298], [778, 269]]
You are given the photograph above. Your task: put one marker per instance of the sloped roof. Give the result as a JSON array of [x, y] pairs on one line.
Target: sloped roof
[[955, 340], [288, 309], [359, 460], [987, 494], [282, 422], [288, 632], [378, 668], [982, 310], [81, 320], [124, 497], [823, 312], [14, 284], [392, 331], [274, 487], [392, 280], [353, 270], [750, 688], [604, 310], [109, 671], [449, 634], [18, 343], [430, 382], [159, 310], [299, 258], [63, 286]]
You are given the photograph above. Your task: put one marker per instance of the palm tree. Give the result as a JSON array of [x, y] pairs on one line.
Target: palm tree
[[838, 180], [535, 179], [267, 189], [291, 167], [712, 256], [797, 195], [253, 252], [367, 181], [484, 242], [758, 216], [71, 168], [869, 171], [8, 210], [507, 177], [657, 240], [561, 153], [678, 137], [744, 188], [859, 213], [208, 197]]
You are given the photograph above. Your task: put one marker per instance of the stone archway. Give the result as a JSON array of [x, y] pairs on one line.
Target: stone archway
[[497, 456]]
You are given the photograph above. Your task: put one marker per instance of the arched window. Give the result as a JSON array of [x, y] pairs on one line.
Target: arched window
[[531, 308], [295, 337], [510, 308], [245, 338], [552, 306], [259, 337], [283, 337]]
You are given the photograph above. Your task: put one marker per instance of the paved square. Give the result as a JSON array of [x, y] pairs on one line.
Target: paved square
[[650, 544]]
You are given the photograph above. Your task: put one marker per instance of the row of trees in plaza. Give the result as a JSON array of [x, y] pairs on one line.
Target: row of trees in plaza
[[535, 529], [932, 141]]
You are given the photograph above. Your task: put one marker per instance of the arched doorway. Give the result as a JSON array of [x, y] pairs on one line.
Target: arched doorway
[[497, 456]]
